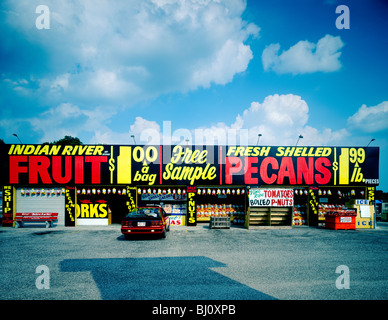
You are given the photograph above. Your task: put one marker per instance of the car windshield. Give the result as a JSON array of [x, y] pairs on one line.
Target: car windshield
[[144, 213]]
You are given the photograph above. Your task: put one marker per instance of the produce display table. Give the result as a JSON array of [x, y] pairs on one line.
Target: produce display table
[[341, 219]]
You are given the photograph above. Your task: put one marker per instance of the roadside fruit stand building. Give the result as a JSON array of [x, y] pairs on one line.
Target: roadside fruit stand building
[[254, 185]]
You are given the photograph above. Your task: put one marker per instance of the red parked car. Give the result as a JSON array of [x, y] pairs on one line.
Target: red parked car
[[146, 220]]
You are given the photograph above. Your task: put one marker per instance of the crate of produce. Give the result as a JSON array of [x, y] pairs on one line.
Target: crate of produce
[[219, 222]]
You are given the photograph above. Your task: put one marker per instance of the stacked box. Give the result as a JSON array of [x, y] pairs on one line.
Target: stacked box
[[220, 223]]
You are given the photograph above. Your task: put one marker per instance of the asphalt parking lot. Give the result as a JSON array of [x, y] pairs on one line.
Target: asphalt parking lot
[[194, 263]]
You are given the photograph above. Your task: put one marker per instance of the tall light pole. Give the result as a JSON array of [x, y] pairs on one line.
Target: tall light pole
[[133, 137], [370, 142], [300, 137], [258, 138], [14, 134]]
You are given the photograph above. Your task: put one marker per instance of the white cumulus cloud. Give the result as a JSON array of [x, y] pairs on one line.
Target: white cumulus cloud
[[305, 56], [126, 51], [370, 119], [280, 119]]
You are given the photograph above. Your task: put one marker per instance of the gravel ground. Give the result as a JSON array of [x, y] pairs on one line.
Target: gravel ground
[[194, 263]]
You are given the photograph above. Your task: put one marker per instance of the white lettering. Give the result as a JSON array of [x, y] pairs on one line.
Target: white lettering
[[43, 281], [43, 21], [343, 281], [343, 21]]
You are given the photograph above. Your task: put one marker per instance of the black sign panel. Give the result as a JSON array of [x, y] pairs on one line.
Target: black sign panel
[[188, 165]]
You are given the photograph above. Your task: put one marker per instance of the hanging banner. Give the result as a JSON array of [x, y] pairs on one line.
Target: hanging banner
[[271, 197], [188, 165]]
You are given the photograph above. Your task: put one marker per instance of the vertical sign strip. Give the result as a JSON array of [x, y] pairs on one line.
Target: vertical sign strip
[[220, 161], [161, 165], [335, 166], [70, 206], [8, 206], [191, 206], [111, 165]]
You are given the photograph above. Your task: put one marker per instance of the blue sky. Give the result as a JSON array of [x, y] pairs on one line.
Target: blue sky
[[207, 71]]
